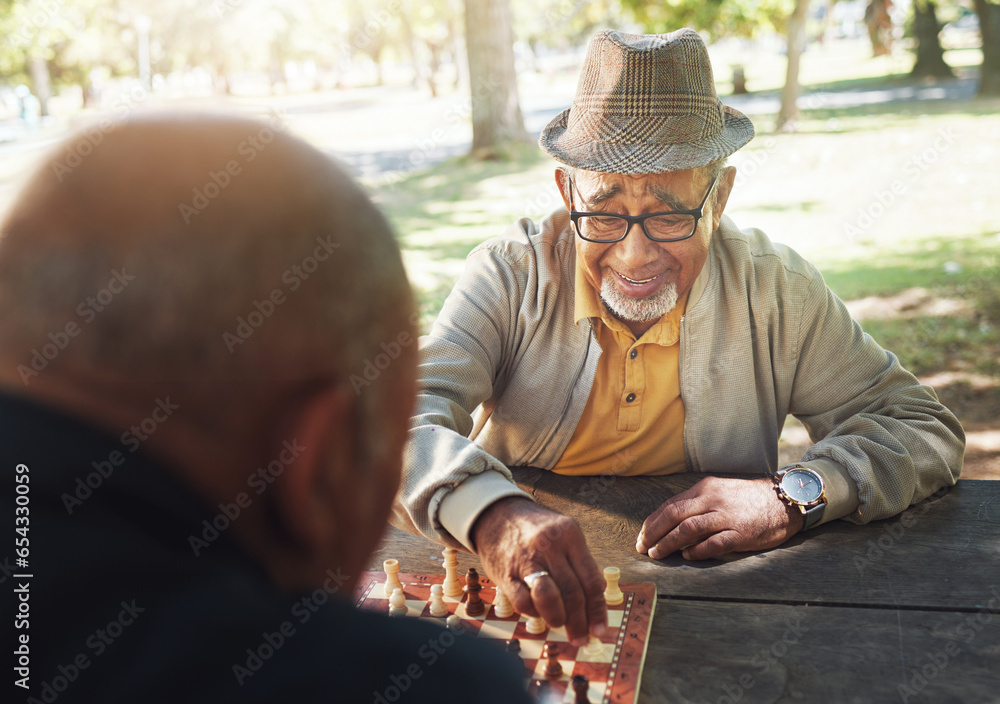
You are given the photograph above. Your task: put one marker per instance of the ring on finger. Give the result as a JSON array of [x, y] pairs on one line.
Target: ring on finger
[[534, 577]]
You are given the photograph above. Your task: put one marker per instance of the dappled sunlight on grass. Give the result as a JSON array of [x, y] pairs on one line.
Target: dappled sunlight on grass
[[462, 192], [809, 206], [933, 302]]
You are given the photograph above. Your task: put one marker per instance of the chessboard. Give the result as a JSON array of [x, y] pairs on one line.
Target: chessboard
[[614, 670]]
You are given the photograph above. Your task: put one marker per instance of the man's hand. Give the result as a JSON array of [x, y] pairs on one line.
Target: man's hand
[[717, 516], [515, 538]]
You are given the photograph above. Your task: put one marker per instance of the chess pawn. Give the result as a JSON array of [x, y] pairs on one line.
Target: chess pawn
[[514, 648], [391, 568], [580, 687], [543, 692], [594, 647], [452, 587], [536, 625], [454, 623], [397, 603], [438, 607], [553, 668], [502, 608], [474, 606], [613, 594]]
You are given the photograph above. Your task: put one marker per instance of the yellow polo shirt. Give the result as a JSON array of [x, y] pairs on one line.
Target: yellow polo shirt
[[634, 419]]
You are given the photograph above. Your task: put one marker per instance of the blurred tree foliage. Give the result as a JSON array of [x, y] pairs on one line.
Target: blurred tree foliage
[[73, 37], [718, 18], [562, 23]]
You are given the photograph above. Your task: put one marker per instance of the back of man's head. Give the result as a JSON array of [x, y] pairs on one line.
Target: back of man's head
[[221, 262]]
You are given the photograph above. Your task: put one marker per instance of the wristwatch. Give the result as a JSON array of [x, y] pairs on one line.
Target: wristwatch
[[803, 487]]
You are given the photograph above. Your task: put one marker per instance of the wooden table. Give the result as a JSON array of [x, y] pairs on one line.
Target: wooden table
[[901, 610]]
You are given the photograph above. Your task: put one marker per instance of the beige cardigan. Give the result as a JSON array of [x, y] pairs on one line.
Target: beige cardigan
[[505, 374]]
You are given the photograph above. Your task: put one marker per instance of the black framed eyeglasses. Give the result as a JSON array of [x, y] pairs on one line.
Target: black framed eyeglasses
[[667, 226]]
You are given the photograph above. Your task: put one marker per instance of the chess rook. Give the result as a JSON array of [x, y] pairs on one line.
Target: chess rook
[[613, 594], [452, 587], [391, 569], [474, 606]]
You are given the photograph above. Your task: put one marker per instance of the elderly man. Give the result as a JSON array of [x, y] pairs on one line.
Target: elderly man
[[198, 485], [641, 332]]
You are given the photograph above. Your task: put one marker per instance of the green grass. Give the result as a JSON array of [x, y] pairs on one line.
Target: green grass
[[442, 213], [942, 234], [454, 195], [967, 339], [921, 264], [928, 345]]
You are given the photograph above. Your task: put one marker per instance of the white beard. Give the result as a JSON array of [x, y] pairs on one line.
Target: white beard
[[637, 310]]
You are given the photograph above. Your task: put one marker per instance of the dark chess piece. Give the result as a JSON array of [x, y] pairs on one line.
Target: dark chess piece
[[553, 669], [474, 605], [542, 689], [580, 687]]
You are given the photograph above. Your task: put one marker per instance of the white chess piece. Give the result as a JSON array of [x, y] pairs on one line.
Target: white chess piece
[[536, 625], [501, 605], [613, 594], [454, 623], [438, 607], [594, 647], [397, 603], [452, 587], [391, 569]]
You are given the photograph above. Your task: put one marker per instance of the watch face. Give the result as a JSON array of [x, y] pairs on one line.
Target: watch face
[[802, 485]]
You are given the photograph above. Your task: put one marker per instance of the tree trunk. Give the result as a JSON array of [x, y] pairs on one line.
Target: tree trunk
[[376, 53], [39, 69], [458, 55], [411, 46], [789, 111], [879, 27], [989, 30], [496, 112], [930, 56], [433, 65]]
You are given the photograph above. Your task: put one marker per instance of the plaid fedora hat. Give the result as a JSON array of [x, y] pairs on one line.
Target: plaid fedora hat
[[645, 103]]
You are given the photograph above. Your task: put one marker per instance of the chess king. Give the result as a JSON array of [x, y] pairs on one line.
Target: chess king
[[640, 331]]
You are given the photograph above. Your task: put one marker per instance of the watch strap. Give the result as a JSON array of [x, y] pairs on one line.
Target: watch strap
[[814, 515]]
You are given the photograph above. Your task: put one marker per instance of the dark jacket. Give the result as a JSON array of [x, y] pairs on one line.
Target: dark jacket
[[120, 609]]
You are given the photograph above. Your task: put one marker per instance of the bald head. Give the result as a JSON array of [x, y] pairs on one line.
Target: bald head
[[237, 271], [198, 252]]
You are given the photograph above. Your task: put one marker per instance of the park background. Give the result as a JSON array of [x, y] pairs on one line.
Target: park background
[[878, 132]]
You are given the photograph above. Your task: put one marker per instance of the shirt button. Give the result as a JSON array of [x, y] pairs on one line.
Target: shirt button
[[630, 398], [633, 354]]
